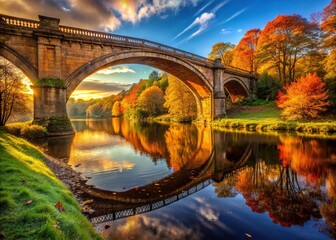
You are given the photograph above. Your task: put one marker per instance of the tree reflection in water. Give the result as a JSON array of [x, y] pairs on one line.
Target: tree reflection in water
[[292, 179], [292, 189]]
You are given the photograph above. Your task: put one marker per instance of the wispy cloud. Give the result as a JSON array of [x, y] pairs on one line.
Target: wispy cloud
[[225, 31], [203, 8], [202, 22], [236, 14], [239, 30], [111, 70]]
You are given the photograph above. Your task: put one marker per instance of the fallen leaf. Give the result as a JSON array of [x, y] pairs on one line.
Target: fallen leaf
[[87, 202], [107, 226], [28, 202], [85, 209], [59, 206], [248, 235]]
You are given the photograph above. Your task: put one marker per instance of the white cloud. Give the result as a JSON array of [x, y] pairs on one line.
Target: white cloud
[[236, 14], [202, 22], [225, 31], [203, 8], [239, 30], [135, 11], [108, 15], [111, 70]]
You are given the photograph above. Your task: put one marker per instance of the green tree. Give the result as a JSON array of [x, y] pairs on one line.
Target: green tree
[[151, 101], [222, 50], [163, 81], [13, 93], [267, 87], [180, 102]]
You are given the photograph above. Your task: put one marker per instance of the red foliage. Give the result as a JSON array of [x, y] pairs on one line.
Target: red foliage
[[304, 98]]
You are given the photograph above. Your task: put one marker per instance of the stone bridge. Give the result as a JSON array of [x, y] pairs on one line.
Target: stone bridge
[[58, 58]]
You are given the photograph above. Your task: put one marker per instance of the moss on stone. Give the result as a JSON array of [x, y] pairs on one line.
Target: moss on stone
[[50, 82]]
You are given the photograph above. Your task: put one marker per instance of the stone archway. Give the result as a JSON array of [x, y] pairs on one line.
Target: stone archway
[[236, 87], [187, 73], [19, 61]]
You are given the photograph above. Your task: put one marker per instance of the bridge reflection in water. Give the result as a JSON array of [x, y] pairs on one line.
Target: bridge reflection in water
[[292, 179]]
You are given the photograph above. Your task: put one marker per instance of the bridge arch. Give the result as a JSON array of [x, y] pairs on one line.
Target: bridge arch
[[236, 87], [19, 61], [184, 71]]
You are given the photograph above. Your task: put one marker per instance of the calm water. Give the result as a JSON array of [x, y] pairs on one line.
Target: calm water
[[151, 181]]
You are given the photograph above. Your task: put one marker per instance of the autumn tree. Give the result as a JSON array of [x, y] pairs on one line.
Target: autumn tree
[[305, 98], [328, 26], [116, 109], [13, 93], [244, 53], [284, 41], [151, 101], [222, 50], [180, 102]]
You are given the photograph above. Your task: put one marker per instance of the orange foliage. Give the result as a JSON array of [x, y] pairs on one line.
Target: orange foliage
[[278, 40], [305, 98], [306, 157], [244, 53], [329, 24]]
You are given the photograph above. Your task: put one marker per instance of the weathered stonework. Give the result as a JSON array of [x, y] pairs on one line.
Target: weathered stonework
[[50, 110], [46, 49]]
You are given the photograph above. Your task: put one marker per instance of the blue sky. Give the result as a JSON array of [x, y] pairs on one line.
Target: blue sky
[[191, 25]]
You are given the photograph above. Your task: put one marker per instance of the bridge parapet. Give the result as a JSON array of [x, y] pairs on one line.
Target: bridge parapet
[[19, 22], [84, 34]]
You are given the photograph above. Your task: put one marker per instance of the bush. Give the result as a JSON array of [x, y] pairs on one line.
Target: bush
[[34, 131], [267, 87], [15, 128]]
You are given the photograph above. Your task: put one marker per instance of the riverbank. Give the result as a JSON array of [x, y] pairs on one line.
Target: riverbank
[[29, 193], [267, 119]]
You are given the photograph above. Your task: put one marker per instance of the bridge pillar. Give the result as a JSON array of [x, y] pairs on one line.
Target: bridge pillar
[[49, 91], [219, 93], [50, 110]]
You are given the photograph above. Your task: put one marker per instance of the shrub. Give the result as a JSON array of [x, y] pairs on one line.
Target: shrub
[[303, 99], [15, 128], [34, 131]]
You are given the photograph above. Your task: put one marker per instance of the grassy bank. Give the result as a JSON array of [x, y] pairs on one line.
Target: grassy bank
[[267, 119], [28, 193]]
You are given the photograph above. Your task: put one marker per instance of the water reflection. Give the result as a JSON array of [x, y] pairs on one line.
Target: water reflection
[[223, 185]]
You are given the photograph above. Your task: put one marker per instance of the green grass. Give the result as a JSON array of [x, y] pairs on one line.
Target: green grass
[[21, 161], [259, 113], [267, 119]]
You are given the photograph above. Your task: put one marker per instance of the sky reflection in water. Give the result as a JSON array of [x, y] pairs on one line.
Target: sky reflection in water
[[284, 186]]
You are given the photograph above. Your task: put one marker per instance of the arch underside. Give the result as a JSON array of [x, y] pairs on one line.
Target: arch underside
[[18, 61], [236, 88], [188, 74]]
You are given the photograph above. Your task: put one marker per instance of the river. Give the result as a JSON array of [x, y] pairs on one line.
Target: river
[[183, 181]]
